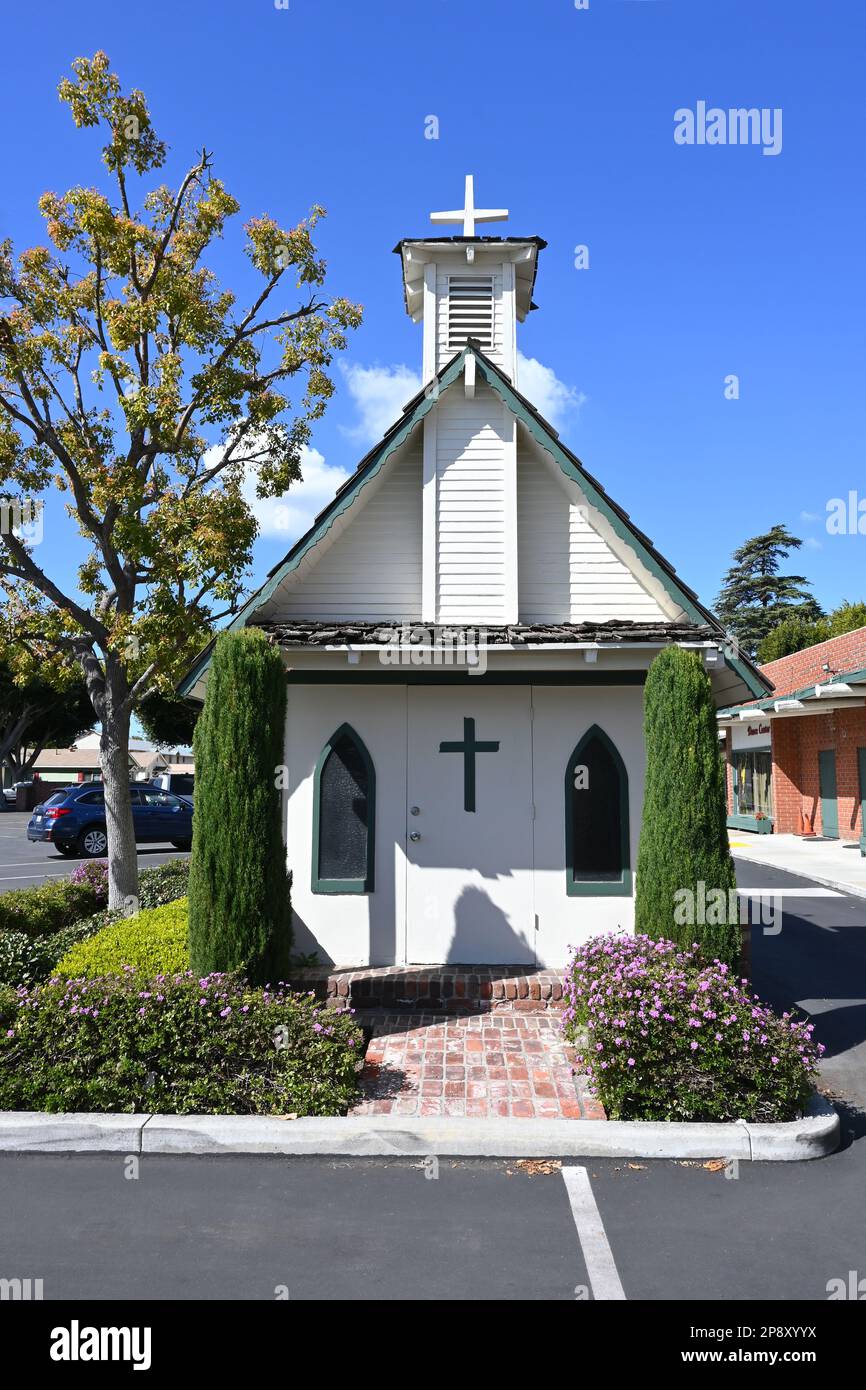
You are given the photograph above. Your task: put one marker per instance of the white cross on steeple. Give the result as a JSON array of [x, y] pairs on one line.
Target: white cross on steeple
[[468, 214]]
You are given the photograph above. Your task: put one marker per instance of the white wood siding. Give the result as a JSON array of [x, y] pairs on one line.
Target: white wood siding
[[567, 572], [472, 440], [372, 568]]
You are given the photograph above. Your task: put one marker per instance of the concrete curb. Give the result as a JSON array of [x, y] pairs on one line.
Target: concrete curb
[[840, 885], [30, 1131], [814, 1136]]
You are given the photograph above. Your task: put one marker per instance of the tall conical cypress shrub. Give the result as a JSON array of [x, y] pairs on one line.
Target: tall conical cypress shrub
[[239, 910], [684, 842]]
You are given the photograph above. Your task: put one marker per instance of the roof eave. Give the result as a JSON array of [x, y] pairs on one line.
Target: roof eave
[[414, 411]]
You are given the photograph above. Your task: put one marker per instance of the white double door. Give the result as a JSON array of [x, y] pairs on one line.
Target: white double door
[[469, 825]]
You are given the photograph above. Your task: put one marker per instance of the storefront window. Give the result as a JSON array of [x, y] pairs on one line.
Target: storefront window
[[752, 783]]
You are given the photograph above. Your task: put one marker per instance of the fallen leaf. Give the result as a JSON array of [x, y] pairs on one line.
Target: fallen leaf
[[533, 1166], [715, 1165]]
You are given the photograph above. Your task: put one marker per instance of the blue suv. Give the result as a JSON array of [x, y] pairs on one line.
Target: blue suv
[[73, 819]]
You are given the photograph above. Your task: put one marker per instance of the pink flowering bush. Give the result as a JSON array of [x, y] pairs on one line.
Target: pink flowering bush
[[176, 1043], [93, 873], [663, 1035]]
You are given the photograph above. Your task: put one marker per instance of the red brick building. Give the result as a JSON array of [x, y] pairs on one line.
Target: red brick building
[[797, 759]]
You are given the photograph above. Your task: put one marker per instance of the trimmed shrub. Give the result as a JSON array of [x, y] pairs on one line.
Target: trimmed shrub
[[664, 1036], [239, 911], [153, 943], [51, 906], [44, 910], [62, 941], [177, 1044], [686, 884], [8, 1005], [163, 884], [24, 959]]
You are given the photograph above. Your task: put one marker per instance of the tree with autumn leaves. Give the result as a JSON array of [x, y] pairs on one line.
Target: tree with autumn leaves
[[133, 384]]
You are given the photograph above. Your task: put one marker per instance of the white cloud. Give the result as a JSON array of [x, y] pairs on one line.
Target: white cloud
[[289, 516], [810, 516], [550, 396], [379, 395], [811, 543]]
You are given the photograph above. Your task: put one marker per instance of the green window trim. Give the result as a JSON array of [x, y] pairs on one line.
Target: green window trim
[[598, 888], [345, 885]]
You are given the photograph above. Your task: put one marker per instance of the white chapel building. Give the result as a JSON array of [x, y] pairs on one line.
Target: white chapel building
[[466, 630]]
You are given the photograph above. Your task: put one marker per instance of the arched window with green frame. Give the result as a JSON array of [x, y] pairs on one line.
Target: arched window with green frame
[[597, 844], [344, 816]]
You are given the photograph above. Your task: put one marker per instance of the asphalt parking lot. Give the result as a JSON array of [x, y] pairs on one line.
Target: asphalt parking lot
[[23, 863]]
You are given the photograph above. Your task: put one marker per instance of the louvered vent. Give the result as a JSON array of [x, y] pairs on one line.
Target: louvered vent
[[470, 310]]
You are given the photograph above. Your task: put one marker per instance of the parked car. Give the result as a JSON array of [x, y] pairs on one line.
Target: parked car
[[182, 783], [10, 794], [73, 819]]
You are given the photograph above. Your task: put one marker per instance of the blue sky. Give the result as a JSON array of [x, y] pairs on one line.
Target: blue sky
[[705, 260]]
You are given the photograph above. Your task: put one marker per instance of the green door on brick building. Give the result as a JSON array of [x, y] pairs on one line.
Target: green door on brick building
[[827, 786]]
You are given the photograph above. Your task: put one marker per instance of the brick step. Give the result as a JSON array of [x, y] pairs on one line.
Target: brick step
[[436, 988]]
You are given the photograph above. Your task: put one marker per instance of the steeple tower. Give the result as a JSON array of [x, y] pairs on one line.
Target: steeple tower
[[469, 286]]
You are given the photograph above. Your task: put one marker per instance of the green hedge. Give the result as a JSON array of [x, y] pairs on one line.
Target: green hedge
[[8, 1005], [24, 960], [163, 884], [44, 910], [28, 954], [189, 1045], [152, 942]]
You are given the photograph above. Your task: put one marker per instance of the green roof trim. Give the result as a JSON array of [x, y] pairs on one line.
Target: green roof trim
[[546, 436], [368, 468], [806, 692], [621, 524]]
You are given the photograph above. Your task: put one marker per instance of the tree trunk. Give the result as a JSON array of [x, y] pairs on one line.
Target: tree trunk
[[114, 760]]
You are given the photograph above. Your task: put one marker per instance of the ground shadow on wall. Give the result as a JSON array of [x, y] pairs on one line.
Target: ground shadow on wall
[[482, 931], [305, 943]]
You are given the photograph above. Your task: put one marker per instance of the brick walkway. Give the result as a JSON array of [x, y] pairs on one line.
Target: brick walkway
[[486, 1064]]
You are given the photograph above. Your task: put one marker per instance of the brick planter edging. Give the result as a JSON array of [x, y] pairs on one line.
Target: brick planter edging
[[452, 989]]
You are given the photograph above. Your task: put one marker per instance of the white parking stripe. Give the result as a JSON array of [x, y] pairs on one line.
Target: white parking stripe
[[597, 1253], [38, 873], [28, 863], [144, 861]]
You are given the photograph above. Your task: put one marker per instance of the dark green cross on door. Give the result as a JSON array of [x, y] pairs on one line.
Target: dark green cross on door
[[469, 747]]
